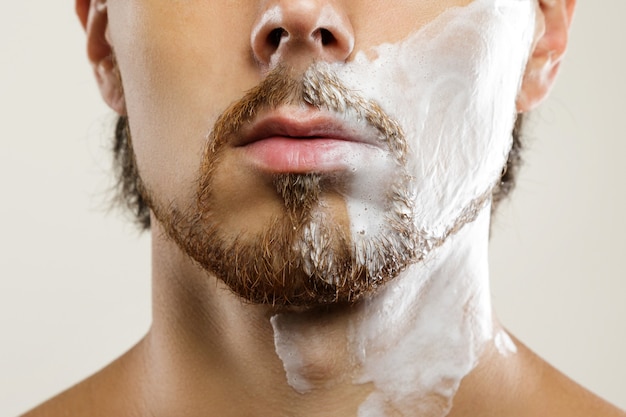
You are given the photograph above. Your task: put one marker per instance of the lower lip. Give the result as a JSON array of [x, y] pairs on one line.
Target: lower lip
[[289, 155]]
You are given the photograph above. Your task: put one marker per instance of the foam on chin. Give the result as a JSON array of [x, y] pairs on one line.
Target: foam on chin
[[410, 345], [424, 333], [452, 86]]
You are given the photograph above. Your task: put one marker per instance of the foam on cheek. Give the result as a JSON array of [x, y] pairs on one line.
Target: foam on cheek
[[368, 194], [452, 86]]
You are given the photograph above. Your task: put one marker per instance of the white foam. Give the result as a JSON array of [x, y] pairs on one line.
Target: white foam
[[288, 350], [452, 86], [505, 345], [420, 337]]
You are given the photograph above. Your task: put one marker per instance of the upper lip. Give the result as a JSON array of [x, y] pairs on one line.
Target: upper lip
[[306, 124]]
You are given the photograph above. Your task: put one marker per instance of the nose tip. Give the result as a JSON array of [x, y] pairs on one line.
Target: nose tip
[[289, 30]]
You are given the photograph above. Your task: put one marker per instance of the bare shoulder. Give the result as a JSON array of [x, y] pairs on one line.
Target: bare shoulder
[[556, 395], [110, 391], [521, 384], [576, 401]]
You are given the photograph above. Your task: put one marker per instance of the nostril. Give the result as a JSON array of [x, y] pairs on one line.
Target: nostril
[[275, 36], [293, 29], [327, 37]]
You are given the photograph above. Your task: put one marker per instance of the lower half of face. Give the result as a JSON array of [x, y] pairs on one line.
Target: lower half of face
[[318, 187]]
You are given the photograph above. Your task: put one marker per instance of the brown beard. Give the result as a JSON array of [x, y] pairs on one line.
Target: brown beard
[[304, 256], [299, 191]]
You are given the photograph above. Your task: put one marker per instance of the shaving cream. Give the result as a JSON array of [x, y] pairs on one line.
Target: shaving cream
[[452, 86], [504, 343]]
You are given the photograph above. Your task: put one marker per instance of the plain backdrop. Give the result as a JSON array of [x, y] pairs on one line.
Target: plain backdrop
[[74, 276]]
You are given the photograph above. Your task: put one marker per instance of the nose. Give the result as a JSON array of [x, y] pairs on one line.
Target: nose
[[300, 31]]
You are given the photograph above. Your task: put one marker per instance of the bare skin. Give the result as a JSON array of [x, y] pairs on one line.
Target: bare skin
[[208, 352], [526, 386]]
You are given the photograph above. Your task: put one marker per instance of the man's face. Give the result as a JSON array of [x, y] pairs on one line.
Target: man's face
[[306, 151]]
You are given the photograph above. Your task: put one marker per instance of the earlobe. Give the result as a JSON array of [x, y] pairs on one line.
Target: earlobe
[[553, 21], [94, 18]]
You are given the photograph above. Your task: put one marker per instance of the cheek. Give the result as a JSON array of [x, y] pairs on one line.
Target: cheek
[[452, 86], [174, 85], [396, 21]]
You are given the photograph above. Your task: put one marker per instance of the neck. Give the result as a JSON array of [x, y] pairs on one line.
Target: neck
[[403, 351]]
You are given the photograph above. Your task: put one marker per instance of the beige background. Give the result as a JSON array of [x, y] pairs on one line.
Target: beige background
[[74, 279]]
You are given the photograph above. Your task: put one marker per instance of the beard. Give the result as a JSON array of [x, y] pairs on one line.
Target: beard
[[305, 255]]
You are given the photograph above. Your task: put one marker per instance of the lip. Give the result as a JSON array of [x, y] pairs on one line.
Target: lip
[[301, 140], [306, 124]]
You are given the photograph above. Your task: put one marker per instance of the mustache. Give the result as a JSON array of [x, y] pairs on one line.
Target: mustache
[[319, 87]]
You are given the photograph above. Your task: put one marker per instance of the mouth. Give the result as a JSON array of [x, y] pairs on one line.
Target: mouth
[[307, 140]]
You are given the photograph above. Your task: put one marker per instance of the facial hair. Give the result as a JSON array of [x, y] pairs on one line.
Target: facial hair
[[304, 256]]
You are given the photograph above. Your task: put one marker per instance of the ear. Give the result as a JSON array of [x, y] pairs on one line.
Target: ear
[[94, 18], [553, 21]]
